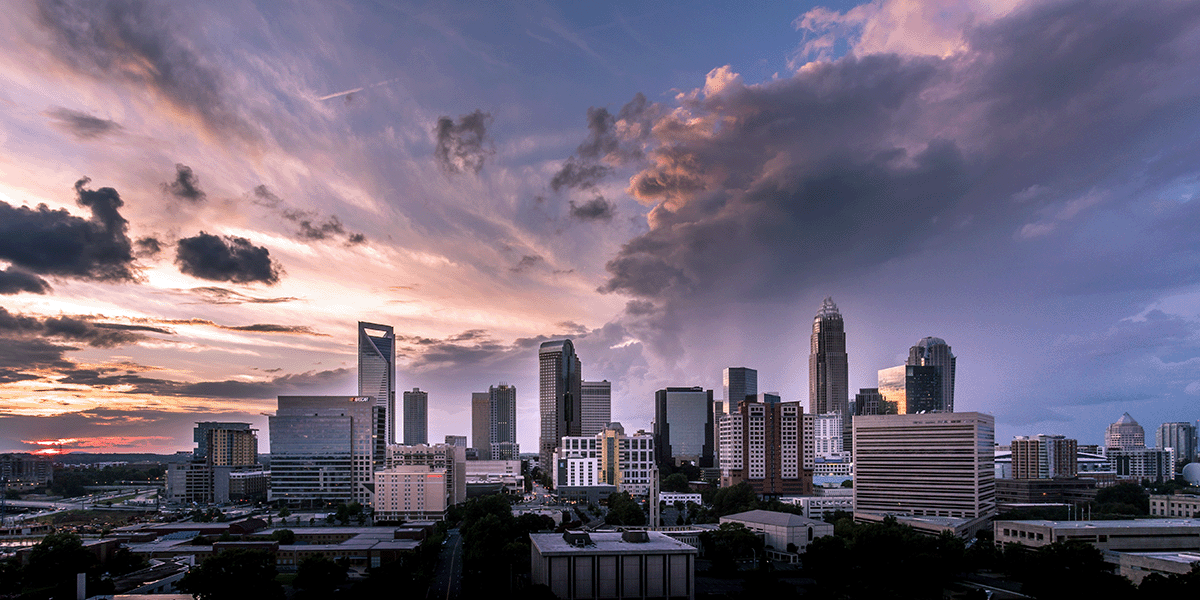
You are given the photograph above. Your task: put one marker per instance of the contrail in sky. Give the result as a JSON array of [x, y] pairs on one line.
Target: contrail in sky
[[348, 92]]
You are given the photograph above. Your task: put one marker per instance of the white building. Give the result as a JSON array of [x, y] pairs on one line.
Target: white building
[[451, 459], [1142, 463], [818, 507], [609, 457], [827, 435], [786, 535], [1177, 505], [632, 564], [673, 497], [411, 492], [504, 472]]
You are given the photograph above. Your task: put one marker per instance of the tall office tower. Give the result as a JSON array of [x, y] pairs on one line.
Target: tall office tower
[[827, 435], [868, 401], [1044, 457], [683, 426], [768, 445], [933, 352], [912, 389], [502, 423], [481, 424], [560, 386], [736, 384], [416, 417], [456, 440], [1125, 434], [933, 465], [607, 458], [231, 446], [200, 435], [828, 371], [595, 403], [1180, 436], [451, 459], [322, 450], [377, 375]]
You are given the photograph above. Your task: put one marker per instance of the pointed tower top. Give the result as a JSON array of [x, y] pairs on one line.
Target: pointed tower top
[[828, 308]]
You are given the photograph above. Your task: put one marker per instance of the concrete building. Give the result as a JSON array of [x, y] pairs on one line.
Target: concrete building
[[1044, 457], [819, 507], [22, 469], [1074, 490], [457, 440], [1125, 434], [410, 492], [683, 426], [1179, 436], [1176, 505], [934, 465], [827, 435], [377, 376], [481, 435], [1136, 566], [768, 445], [222, 443], [632, 564], [828, 369], [502, 423], [608, 458], [324, 450], [451, 459], [596, 406], [504, 473], [1137, 464], [673, 497], [785, 535], [1140, 535], [416, 417], [224, 467], [560, 385]]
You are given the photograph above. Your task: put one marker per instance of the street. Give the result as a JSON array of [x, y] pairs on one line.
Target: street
[[447, 579]]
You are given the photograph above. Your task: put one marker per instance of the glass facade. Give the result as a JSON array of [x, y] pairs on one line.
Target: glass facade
[[560, 386], [322, 449], [416, 417], [892, 387], [683, 425], [923, 389], [377, 374]]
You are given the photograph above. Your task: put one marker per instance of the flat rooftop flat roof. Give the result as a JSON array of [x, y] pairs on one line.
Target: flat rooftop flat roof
[[610, 543], [1122, 523]]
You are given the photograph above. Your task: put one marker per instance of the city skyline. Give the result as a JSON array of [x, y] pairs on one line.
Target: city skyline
[[199, 203]]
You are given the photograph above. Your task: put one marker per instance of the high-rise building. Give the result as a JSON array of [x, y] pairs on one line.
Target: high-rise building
[[377, 376], [607, 458], [323, 449], [596, 406], [912, 389], [768, 445], [416, 417], [502, 423], [236, 448], [1137, 464], [683, 426], [414, 492], [933, 465], [481, 424], [737, 383], [439, 457], [1125, 434], [868, 401], [827, 435], [1181, 437], [224, 466], [933, 352], [828, 370], [1044, 457], [560, 386]]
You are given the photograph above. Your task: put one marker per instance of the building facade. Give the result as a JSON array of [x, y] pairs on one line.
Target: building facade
[[481, 423], [768, 445], [224, 467], [608, 458], [828, 369], [1125, 433], [502, 423], [683, 426], [631, 564], [827, 435], [416, 417], [782, 531], [377, 375], [869, 401], [1181, 437], [931, 465], [1176, 505], [1138, 464], [596, 406], [410, 492], [934, 352], [439, 457], [323, 449], [1044, 457], [560, 386]]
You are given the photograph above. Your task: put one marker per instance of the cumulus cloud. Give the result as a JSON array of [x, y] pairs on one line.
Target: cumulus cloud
[[226, 258], [612, 140], [15, 281], [55, 242], [186, 185], [463, 145], [80, 124], [596, 209], [312, 226]]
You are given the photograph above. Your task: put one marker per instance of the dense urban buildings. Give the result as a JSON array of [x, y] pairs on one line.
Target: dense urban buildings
[[22, 469], [323, 450], [869, 401], [224, 466], [416, 417], [560, 385], [827, 435], [1044, 457], [1141, 464], [683, 426], [595, 402], [410, 492], [377, 374], [934, 352], [1125, 433], [828, 369], [769, 445], [737, 383], [931, 465], [609, 458], [452, 460], [1179, 436]]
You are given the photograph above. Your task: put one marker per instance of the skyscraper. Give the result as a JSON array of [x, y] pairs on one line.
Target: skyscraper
[[481, 424], [502, 423], [1044, 457], [322, 450], [768, 445], [1125, 434], [596, 404], [560, 387], [683, 426], [828, 370], [416, 417], [912, 389], [736, 384], [377, 374], [1179, 436], [934, 352], [869, 401]]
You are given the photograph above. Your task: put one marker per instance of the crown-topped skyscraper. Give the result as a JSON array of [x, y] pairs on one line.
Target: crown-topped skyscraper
[[828, 371]]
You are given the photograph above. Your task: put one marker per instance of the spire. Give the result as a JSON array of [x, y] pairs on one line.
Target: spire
[[828, 308]]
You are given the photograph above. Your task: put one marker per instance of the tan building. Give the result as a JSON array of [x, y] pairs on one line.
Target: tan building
[[769, 445], [632, 564], [782, 531], [1140, 535], [930, 465], [411, 492], [451, 459], [1135, 566], [1178, 505], [1044, 457]]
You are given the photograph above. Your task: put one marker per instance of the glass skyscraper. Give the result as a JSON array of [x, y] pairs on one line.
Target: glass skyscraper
[[828, 369], [323, 450], [934, 352], [560, 386], [377, 374], [596, 404], [683, 426], [416, 417]]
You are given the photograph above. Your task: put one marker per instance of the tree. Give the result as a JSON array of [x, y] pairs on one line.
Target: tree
[[234, 575], [1071, 570], [1123, 498], [55, 560], [285, 537], [319, 575], [675, 482], [624, 510], [729, 543]]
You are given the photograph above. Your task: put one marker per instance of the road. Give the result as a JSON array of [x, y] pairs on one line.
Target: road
[[447, 579]]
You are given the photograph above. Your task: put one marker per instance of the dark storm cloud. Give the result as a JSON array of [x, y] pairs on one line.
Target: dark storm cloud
[[186, 185], [217, 295], [134, 383], [463, 146], [575, 173], [143, 46], [55, 242], [527, 262], [227, 258], [80, 124], [256, 327], [15, 281], [596, 209], [147, 247], [83, 329], [614, 140], [263, 196]]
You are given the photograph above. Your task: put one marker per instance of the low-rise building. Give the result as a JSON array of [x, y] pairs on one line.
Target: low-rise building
[[786, 535], [818, 507], [1141, 535], [410, 492], [608, 458], [1178, 505], [631, 564], [1135, 566], [673, 497]]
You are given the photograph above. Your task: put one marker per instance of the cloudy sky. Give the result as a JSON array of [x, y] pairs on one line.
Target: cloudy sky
[[198, 202]]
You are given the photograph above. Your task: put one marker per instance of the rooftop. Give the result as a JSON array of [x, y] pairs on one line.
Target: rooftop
[[1115, 524], [610, 543], [769, 517]]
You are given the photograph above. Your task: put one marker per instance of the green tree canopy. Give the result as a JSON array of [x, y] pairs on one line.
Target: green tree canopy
[[234, 575], [318, 576]]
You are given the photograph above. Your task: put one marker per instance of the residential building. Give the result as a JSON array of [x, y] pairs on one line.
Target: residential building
[[26, 469], [481, 423], [934, 352], [323, 449], [1139, 464], [683, 426], [737, 384], [410, 492], [224, 467], [785, 535], [828, 370], [443, 457], [1176, 505], [236, 443], [416, 417], [930, 465], [1133, 535], [560, 386], [596, 406], [377, 376], [768, 445], [1181, 437], [827, 435], [1044, 457], [608, 458], [630, 564], [1125, 433]]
